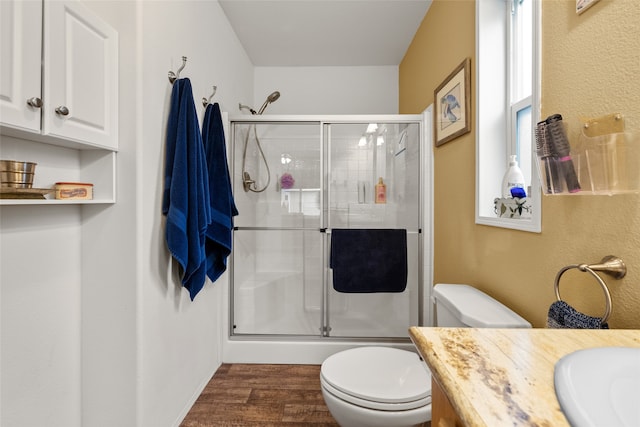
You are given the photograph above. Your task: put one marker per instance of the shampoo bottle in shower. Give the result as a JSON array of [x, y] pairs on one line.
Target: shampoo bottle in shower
[[381, 191]]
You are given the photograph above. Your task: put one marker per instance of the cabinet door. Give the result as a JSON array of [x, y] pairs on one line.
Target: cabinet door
[[20, 63], [81, 75]]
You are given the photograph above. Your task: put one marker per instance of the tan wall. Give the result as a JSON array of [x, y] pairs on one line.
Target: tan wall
[[591, 67]]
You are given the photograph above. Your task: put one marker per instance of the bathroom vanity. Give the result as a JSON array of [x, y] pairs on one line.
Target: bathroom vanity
[[494, 377]]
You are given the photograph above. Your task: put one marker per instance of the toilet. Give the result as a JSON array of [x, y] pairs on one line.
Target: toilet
[[388, 387]]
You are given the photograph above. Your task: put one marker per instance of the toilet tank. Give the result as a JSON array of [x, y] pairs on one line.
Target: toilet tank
[[465, 306]]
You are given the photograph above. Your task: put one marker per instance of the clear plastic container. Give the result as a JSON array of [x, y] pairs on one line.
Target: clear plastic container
[[607, 164]]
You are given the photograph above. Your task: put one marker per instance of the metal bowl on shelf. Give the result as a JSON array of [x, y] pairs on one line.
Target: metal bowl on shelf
[[16, 179], [17, 166], [17, 174]]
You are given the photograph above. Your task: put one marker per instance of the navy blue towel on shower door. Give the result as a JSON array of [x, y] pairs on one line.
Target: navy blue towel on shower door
[[369, 260]]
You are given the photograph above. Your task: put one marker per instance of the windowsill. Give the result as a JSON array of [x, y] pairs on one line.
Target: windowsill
[[522, 224]]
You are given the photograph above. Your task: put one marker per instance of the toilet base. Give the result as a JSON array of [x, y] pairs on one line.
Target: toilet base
[[349, 415]]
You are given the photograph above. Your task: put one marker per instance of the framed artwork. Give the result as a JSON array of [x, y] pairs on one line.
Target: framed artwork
[[582, 5], [452, 101]]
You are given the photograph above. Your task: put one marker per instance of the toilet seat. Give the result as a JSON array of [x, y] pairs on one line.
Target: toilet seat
[[377, 406], [380, 378]]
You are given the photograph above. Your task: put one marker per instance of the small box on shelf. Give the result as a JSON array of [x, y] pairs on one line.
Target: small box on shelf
[[74, 191]]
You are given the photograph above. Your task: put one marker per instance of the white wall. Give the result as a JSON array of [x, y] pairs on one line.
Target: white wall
[[40, 316], [179, 339], [328, 90], [110, 267]]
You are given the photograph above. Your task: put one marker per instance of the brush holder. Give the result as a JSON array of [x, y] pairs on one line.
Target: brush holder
[[605, 162]]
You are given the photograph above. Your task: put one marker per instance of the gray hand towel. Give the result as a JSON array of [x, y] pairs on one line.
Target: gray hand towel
[[563, 316]]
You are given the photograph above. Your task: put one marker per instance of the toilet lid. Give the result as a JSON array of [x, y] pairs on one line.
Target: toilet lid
[[378, 374]]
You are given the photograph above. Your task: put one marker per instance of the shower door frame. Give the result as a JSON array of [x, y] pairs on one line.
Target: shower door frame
[[424, 230]]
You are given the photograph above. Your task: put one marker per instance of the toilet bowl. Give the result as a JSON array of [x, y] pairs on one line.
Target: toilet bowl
[[376, 387], [389, 387]]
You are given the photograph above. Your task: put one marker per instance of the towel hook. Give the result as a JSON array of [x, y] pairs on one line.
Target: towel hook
[[206, 101], [173, 76], [610, 265]]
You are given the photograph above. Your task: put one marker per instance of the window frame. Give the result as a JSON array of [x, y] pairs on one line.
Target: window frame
[[496, 124]]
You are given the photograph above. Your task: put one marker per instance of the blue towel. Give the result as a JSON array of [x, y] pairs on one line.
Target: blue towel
[[562, 315], [369, 260], [223, 207], [186, 189]]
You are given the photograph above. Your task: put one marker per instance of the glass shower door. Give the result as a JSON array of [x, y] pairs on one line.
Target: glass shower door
[[277, 270], [359, 155]]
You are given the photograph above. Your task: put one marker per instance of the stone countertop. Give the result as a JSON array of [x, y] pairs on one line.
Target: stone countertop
[[504, 377]]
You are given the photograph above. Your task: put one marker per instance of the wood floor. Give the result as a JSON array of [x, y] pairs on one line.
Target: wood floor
[[261, 395]]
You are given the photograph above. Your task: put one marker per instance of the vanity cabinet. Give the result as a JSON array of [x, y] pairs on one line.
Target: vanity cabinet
[[442, 412], [59, 86]]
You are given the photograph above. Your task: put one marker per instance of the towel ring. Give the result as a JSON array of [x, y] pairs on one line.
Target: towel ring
[[611, 265]]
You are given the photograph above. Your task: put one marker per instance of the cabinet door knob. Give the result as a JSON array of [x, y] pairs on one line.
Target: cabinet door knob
[[62, 110], [34, 102]]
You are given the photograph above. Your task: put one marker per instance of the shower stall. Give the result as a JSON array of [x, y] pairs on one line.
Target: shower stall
[[297, 178]]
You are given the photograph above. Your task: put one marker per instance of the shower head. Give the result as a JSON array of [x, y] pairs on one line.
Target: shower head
[[271, 98], [274, 96]]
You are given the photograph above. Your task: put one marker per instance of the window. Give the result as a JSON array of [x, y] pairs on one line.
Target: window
[[507, 104], [520, 84]]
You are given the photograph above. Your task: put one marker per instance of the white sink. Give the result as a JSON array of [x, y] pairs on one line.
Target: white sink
[[600, 387]]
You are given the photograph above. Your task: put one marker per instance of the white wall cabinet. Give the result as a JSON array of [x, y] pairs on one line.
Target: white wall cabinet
[[21, 32], [59, 85], [80, 75]]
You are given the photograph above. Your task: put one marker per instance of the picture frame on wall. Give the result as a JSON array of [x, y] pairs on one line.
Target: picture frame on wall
[[582, 5], [452, 100]]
